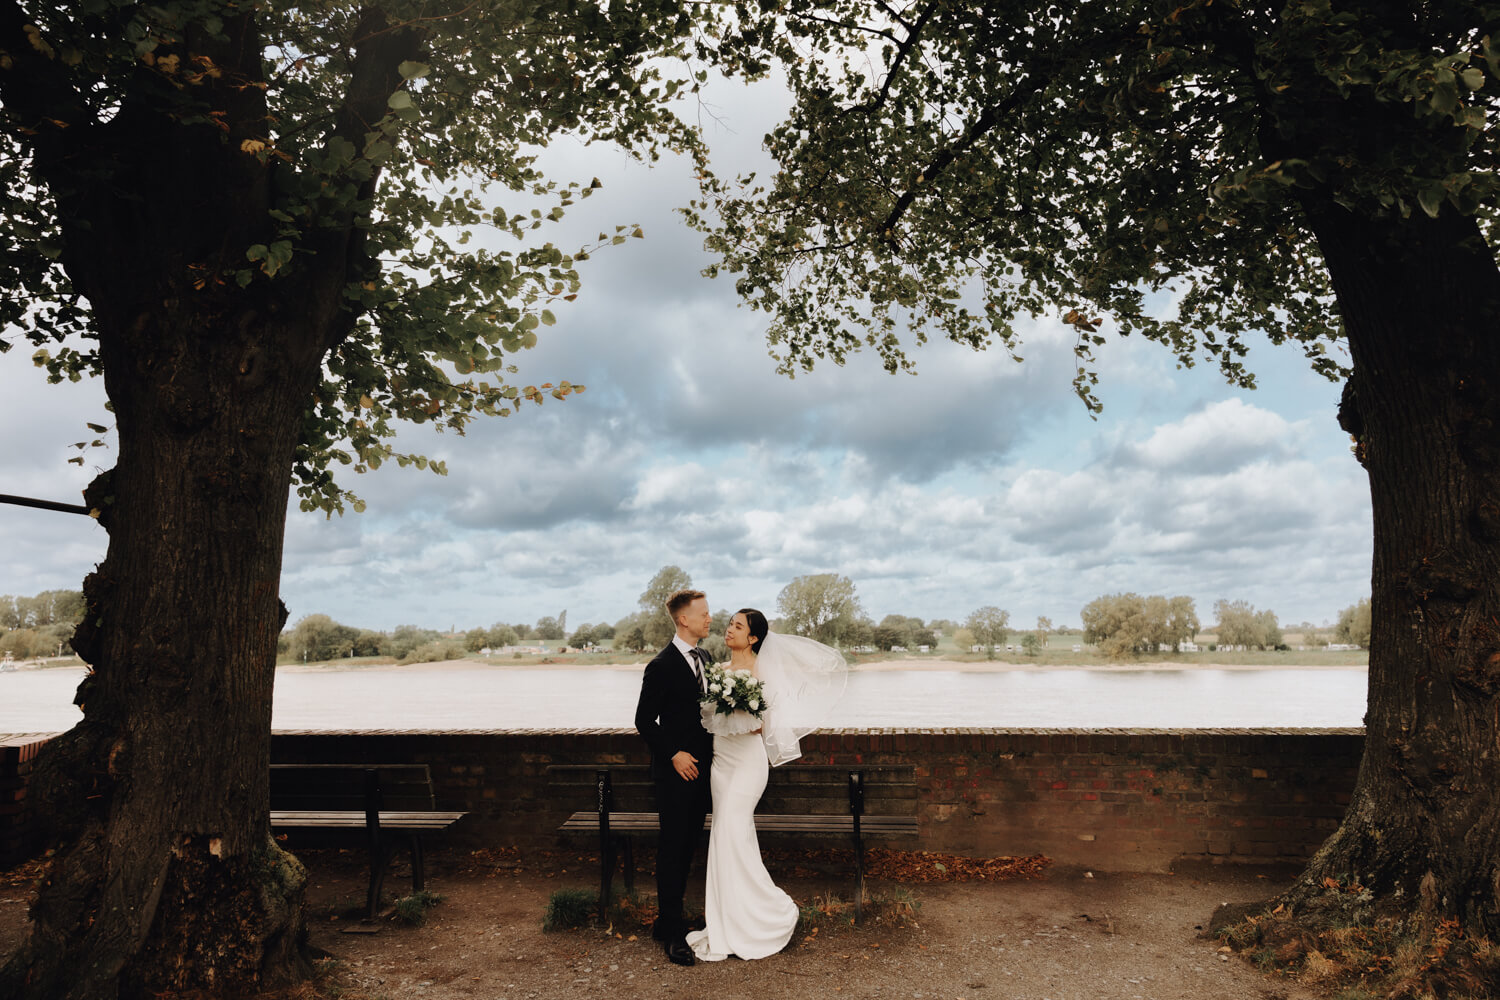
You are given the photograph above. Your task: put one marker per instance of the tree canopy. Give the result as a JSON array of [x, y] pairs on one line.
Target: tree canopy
[[822, 605], [1122, 624], [656, 626], [1239, 624], [386, 139], [1353, 626], [942, 168], [989, 626]]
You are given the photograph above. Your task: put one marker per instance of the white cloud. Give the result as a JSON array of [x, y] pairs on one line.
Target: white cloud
[[1218, 438]]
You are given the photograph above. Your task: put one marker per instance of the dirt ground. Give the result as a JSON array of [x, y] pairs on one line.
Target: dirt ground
[[1063, 935]]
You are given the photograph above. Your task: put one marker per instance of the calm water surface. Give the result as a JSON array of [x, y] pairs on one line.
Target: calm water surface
[[435, 698]]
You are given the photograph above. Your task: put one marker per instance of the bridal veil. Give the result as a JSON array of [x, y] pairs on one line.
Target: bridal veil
[[803, 680]]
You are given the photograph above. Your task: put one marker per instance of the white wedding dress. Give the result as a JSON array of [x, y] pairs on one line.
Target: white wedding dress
[[744, 912]]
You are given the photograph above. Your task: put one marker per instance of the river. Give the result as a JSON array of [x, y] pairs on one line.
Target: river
[[435, 697]]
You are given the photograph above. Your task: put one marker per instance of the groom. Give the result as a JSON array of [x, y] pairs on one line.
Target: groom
[[681, 752]]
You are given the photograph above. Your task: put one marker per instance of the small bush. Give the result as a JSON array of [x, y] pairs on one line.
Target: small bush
[[412, 910], [434, 652], [570, 909]]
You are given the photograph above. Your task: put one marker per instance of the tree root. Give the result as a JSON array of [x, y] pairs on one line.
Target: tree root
[[1395, 955]]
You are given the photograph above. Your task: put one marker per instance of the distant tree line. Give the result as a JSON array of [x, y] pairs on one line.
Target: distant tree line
[[825, 606], [34, 627]]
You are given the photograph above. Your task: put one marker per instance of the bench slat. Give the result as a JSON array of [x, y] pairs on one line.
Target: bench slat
[[350, 818], [636, 822]]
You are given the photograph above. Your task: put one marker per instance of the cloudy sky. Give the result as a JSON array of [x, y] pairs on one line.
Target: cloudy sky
[[977, 481]]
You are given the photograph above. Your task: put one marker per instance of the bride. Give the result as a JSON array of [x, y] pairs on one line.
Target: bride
[[745, 914]]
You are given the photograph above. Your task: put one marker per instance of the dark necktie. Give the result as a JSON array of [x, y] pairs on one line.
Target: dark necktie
[[699, 659]]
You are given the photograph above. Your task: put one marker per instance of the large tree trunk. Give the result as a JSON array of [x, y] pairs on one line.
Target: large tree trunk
[[167, 877], [1421, 302]]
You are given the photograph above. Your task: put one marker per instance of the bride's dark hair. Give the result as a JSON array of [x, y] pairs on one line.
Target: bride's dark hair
[[758, 627]]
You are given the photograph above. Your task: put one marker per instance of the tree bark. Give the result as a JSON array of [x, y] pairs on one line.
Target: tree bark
[[1421, 302]]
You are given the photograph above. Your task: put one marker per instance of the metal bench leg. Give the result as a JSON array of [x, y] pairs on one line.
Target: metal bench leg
[[418, 876], [378, 857], [604, 802], [377, 847], [857, 810], [859, 881], [606, 870]]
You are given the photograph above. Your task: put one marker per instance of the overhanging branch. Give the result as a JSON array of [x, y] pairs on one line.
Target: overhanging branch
[[66, 508]]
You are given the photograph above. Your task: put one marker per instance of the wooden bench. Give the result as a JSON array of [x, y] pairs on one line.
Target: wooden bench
[[855, 801], [377, 798]]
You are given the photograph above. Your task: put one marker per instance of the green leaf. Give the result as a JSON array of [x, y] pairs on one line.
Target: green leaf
[[1473, 78], [399, 101], [1444, 98], [278, 255], [410, 70], [1431, 199]]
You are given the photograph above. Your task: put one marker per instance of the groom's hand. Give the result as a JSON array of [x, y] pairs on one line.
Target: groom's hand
[[685, 764]]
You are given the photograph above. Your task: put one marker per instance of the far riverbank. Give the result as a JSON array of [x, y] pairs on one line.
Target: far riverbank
[[587, 662]]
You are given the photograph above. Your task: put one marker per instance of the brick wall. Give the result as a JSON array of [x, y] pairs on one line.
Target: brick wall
[[1111, 799], [17, 838]]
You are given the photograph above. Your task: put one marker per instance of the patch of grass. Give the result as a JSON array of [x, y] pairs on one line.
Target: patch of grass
[[824, 911], [412, 910], [896, 907], [570, 909], [573, 909]]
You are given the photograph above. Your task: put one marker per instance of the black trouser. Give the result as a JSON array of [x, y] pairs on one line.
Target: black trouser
[[681, 807]]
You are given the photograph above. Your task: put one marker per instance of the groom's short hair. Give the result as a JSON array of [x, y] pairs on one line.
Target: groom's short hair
[[680, 600]]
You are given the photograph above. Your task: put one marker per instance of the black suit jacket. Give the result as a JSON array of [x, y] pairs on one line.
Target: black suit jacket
[[667, 714]]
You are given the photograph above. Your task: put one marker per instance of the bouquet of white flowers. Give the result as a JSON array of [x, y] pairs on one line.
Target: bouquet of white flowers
[[734, 703]]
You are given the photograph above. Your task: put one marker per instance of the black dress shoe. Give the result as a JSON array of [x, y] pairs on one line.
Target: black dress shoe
[[679, 952]]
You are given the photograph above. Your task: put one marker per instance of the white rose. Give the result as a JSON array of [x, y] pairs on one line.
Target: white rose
[[715, 688], [755, 704]]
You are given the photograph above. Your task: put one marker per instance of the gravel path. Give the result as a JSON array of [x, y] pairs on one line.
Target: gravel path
[[1064, 936]]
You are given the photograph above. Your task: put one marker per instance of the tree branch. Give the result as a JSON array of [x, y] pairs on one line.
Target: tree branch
[[374, 77], [987, 120], [877, 32], [1026, 88], [913, 34]]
